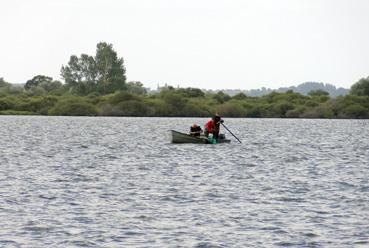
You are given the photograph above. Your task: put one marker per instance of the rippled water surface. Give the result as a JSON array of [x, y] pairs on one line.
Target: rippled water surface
[[118, 182]]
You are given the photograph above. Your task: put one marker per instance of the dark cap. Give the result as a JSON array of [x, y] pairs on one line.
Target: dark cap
[[216, 117]]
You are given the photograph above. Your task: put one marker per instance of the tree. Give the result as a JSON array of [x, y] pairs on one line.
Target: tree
[[40, 85], [104, 73], [318, 93], [191, 92], [51, 86], [221, 97], [3, 83], [136, 87], [80, 74], [110, 69], [361, 88], [36, 81], [240, 96]]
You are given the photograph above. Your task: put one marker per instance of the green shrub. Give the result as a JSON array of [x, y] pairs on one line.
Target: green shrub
[[296, 112], [361, 88], [175, 100], [193, 110], [121, 96], [232, 109], [321, 111], [73, 107], [356, 111], [6, 103], [160, 108], [40, 105], [16, 112], [281, 108], [221, 97], [253, 111], [132, 108], [240, 96]]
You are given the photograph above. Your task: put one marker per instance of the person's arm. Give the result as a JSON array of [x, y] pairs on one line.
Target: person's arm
[[199, 130]]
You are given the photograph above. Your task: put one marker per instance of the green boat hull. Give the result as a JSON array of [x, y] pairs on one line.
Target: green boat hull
[[183, 138]]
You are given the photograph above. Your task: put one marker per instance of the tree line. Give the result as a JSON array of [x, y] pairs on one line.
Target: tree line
[[96, 86]]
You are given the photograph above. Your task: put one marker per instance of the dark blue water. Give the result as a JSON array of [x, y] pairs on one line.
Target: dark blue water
[[118, 182]]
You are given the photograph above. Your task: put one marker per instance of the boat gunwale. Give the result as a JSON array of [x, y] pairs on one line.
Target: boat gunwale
[[198, 140]]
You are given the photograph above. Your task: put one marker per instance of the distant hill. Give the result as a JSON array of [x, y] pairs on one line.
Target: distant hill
[[303, 89]]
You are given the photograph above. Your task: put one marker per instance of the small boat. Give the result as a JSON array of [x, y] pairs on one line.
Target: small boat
[[178, 137]]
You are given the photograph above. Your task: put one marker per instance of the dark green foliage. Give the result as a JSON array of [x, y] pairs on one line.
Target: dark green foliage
[[121, 96], [172, 102], [38, 105], [193, 110], [80, 74], [321, 111], [296, 112], [361, 88], [7, 103], [159, 108], [132, 108], [37, 80], [221, 97], [42, 85], [239, 96], [110, 69], [73, 107], [15, 112], [104, 73], [281, 108], [318, 93], [175, 100], [51, 86], [191, 92], [3, 83], [10, 89], [232, 109], [356, 111], [351, 106], [136, 88], [253, 111]]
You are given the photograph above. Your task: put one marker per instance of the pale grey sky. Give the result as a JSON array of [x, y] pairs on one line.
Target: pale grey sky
[[212, 44]]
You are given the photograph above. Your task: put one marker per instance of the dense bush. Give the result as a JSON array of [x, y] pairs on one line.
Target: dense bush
[[361, 88], [232, 109], [39, 105], [121, 96], [74, 107], [187, 102], [7, 103]]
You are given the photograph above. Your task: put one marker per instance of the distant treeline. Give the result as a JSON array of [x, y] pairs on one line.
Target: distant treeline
[[96, 86], [303, 89]]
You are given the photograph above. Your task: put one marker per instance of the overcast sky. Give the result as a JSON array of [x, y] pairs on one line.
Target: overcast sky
[[213, 44]]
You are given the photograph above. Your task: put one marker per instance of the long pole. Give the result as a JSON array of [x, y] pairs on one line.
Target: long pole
[[231, 132], [226, 128]]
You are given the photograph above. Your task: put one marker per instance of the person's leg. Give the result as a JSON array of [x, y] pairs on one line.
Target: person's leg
[[216, 133]]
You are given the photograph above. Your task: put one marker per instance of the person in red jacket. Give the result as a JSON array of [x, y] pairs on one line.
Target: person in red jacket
[[213, 126]]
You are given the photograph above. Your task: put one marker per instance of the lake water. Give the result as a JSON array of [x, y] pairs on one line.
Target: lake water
[[119, 182]]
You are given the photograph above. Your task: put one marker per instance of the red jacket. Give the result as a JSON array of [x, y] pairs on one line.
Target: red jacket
[[210, 126]]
